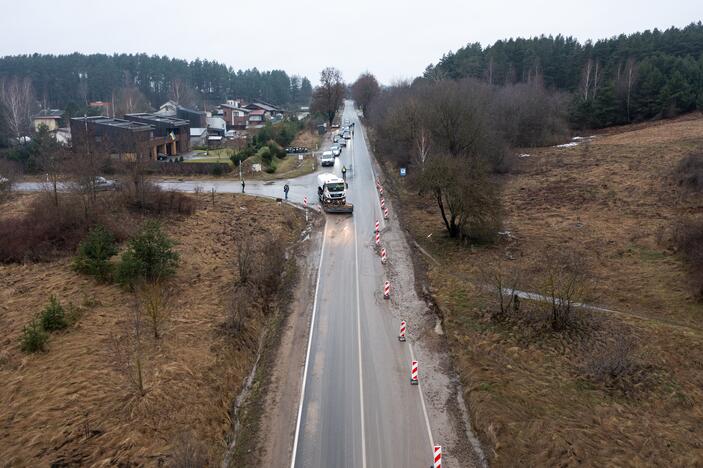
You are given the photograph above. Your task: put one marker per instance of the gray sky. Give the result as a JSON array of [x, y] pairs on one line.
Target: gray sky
[[393, 39]]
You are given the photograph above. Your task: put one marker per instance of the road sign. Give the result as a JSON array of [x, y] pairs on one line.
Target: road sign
[[402, 172], [300, 157]]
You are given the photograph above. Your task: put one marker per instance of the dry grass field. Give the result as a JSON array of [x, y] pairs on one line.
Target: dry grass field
[[614, 202], [70, 406]]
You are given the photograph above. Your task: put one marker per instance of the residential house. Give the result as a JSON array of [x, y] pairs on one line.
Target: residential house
[[50, 118], [257, 118], [270, 111], [171, 135], [235, 117], [216, 126], [198, 136], [173, 109], [118, 137]]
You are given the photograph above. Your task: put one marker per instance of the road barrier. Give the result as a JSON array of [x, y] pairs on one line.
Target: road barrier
[[378, 238], [387, 290], [380, 190], [305, 202], [437, 456], [383, 256], [385, 213], [378, 226], [383, 203], [413, 373], [401, 334]]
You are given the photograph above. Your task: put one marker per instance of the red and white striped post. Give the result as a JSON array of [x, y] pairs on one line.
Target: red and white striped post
[[305, 202], [413, 373], [385, 213], [437, 456], [380, 190], [378, 238], [378, 226], [401, 334], [383, 203], [387, 290], [383, 256]]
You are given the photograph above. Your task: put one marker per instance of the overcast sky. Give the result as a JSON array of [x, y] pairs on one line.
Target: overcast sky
[[394, 39]]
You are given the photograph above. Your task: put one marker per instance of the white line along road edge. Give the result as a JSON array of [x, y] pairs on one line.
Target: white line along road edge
[[307, 355]]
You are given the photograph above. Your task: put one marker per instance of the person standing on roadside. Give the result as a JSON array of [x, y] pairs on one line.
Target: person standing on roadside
[[285, 190], [243, 184], [344, 172]]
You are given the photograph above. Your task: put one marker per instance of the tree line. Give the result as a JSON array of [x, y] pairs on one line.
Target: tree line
[[628, 78], [72, 81]]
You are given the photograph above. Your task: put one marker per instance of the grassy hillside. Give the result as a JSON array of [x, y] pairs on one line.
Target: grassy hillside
[[619, 387], [72, 405]]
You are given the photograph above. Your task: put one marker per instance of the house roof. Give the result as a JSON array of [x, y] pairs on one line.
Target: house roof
[[158, 120], [230, 106], [258, 112], [264, 106], [196, 132], [120, 123], [49, 114]]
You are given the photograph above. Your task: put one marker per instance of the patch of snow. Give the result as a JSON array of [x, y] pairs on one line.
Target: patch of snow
[[523, 155], [567, 145]]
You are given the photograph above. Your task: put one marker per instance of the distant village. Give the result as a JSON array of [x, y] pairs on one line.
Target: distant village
[[167, 134]]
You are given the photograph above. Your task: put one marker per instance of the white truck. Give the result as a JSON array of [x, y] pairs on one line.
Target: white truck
[[332, 192]]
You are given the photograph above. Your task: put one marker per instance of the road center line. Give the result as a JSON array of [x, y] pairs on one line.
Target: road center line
[[358, 332], [358, 336], [307, 355]]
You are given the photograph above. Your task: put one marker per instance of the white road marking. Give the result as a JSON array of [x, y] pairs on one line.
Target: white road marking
[[422, 401], [307, 356], [358, 335]]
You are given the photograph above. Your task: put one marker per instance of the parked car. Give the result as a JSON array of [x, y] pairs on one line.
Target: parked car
[[101, 183], [336, 150], [327, 158], [343, 143], [336, 138], [347, 135]]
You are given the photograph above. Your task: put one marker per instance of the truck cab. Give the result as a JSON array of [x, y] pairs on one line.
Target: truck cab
[[331, 189]]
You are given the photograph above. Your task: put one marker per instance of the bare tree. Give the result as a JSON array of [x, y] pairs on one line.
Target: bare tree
[[154, 300], [269, 271], [51, 158], [237, 309], [17, 96], [245, 258], [364, 90], [327, 98], [564, 285], [505, 287], [129, 100], [180, 93], [128, 352]]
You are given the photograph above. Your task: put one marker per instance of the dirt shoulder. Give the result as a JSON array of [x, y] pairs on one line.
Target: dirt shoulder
[[274, 411], [529, 390], [71, 405]]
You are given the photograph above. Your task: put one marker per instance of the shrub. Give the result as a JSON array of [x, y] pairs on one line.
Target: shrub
[[94, 254], [217, 170], [688, 236], [689, 172], [149, 256], [53, 317], [43, 232], [266, 155], [34, 337]]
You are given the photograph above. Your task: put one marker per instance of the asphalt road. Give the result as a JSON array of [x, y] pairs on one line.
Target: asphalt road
[[358, 407]]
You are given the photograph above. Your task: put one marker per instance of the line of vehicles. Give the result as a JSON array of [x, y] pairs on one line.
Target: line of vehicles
[[331, 189]]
